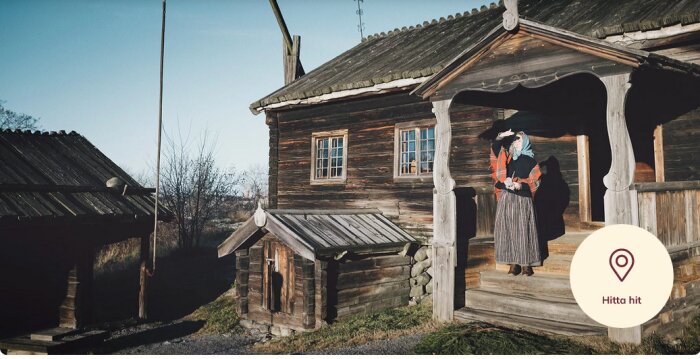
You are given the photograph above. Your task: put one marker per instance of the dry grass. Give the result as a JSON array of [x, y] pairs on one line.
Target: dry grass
[[219, 316], [356, 330], [484, 338]]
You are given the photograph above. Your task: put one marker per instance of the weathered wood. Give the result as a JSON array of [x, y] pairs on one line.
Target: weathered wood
[[618, 200], [584, 187], [619, 206], [143, 277], [376, 276], [76, 309], [659, 153], [444, 281], [647, 211], [374, 263], [667, 186], [444, 217]]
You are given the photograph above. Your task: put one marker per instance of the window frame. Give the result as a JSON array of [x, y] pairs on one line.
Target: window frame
[[315, 136], [415, 126]]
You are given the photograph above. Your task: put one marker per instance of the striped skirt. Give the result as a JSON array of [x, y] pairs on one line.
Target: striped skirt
[[515, 232]]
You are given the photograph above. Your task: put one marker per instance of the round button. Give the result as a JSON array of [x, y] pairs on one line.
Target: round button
[[621, 276]]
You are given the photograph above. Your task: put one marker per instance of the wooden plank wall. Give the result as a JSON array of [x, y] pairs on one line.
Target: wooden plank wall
[[672, 216], [371, 283], [682, 148], [370, 183], [301, 315]]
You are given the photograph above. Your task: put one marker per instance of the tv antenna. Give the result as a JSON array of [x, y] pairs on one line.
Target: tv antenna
[[359, 12]]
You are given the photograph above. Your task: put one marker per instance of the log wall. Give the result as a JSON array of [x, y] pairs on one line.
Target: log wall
[[370, 181], [368, 284]]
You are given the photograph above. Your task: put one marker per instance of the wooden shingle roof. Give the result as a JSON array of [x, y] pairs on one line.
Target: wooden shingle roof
[[58, 177], [313, 233], [421, 51]]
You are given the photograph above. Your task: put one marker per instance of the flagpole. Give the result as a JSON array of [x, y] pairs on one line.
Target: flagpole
[[160, 130]]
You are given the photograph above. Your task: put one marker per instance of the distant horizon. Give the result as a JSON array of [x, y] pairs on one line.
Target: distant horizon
[[93, 66]]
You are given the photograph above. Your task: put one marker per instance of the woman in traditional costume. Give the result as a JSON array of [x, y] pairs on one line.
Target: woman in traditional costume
[[516, 176]]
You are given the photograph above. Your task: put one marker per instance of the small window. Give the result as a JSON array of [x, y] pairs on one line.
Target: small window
[[414, 149], [329, 157]]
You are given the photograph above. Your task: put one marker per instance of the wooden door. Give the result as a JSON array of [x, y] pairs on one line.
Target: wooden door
[[278, 277]]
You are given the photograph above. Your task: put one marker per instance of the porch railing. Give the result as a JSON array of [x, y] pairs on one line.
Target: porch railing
[[670, 210]]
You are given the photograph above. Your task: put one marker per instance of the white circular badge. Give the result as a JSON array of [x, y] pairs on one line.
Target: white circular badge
[[621, 276]]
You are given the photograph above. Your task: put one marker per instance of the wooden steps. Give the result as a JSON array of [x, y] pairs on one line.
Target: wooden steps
[[528, 305], [57, 341], [543, 302], [539, 284], [528, 323]]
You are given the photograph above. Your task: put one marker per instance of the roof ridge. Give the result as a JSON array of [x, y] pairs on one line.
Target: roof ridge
[[426, 23], [39, 133]]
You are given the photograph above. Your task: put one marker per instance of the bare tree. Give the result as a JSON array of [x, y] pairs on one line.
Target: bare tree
[[193, 186], [255, 185], [13, 120]]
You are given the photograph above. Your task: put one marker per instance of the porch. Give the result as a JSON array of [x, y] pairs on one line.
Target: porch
[[610, 103]]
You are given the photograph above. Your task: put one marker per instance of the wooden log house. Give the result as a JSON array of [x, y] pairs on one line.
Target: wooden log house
[[401, 123], [61, 199], [299, 269]]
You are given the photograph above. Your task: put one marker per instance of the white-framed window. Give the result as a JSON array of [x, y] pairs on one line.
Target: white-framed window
[[329, 157], [414, 149]]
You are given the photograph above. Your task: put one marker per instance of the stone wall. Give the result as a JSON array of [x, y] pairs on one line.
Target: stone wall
[[421, 276]]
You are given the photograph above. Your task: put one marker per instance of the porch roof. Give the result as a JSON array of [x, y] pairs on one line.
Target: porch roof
[[404, 58], [313, 233], [599, 48]]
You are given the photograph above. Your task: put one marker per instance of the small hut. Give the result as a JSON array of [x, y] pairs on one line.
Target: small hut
[[298, 269], [61, 200]]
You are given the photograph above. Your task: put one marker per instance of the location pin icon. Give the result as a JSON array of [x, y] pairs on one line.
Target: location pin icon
[[621, 262]]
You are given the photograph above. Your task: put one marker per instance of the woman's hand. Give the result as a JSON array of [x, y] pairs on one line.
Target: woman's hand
[[517, 186], [505, 134]]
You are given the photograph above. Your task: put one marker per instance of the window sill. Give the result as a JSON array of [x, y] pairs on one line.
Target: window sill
[[333, 182]]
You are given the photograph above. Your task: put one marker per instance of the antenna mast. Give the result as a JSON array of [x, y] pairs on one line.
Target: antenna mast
[[359, 12]]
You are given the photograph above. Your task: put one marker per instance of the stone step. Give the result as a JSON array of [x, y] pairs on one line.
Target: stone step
[[555, 285], [528, 323], [554, 264], [530, 305]]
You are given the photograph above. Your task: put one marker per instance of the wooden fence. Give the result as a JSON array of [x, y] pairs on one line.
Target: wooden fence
[[670, 210]]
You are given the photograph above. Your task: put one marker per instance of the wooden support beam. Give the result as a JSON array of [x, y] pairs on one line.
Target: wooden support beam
[[76, 309], [444, 217], [659, 153], [620, 201], [143, 277], [584, 178], [292, 64]]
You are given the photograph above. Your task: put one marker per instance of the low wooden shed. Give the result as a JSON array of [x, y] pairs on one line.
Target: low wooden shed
[[297, 269], [61, 200]]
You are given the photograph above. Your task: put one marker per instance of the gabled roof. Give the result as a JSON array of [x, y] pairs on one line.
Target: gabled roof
[[312, 233], [600, 48], [403, 58], [50, 178]]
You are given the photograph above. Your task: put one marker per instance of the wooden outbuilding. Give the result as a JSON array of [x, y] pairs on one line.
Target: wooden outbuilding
[[299, 269], [61, 200]]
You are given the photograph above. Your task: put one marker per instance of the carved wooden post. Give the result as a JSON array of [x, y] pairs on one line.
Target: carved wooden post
[[620, 201], [444, 217], [143, 278]]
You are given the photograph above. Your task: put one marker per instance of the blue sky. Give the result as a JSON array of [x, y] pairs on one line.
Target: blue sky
[[92, 65]]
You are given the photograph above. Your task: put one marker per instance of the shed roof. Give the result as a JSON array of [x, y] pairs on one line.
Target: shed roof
[[313, 233], [422, 50], [56, 177]]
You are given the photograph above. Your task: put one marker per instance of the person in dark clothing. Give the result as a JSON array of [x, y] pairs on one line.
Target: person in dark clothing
[[516, 178]]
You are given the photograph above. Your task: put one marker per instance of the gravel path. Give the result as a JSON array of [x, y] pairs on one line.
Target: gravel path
[[399, 346], [177, 338]]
